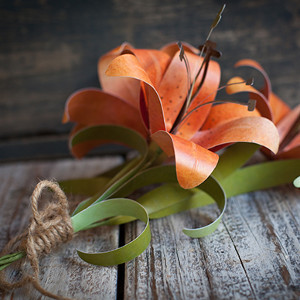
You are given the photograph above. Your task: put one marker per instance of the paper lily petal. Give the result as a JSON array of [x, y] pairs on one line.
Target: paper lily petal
[[154, 62], [193, 162], [95, 107], [228, 111], [172, 48], [173, 90], [248, 129], [278, 107], [197, 118], [262, 104], [124, 88], [128, 66], [289, 148], [266, 91], [290, 151], [285, 125]]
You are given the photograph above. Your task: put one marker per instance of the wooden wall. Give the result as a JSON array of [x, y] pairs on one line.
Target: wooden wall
[[48, 49]]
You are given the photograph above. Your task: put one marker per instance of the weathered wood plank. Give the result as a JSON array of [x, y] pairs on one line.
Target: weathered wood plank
[[49, 49], [254, 254], [48, 147], [62, 272], [267, 237]]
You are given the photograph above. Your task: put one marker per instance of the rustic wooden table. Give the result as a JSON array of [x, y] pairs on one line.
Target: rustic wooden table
[[48, 49], [254, 254]]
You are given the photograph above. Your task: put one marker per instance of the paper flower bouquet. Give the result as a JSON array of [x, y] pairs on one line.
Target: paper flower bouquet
[[189, 146]]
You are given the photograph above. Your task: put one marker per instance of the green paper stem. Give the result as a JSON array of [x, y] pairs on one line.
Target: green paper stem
[[165, 200], [8, 259], [168, 174]]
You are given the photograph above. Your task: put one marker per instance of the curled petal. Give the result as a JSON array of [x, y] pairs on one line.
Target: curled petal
[[288, 129], [124, 88], [80, 150], [262, 104], [172, 48], [248, 129], [286, 124], [266, 91], [278, 107], [154, 62], [85, 138], [292, 150], [95, 107], [228, 111], [193, 162], [128, 66]]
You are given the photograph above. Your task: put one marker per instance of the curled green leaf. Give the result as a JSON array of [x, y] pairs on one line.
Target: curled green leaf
[[261, 176], [107, 209]]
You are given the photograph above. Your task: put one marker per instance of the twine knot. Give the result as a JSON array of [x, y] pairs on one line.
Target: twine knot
[[48, 228]]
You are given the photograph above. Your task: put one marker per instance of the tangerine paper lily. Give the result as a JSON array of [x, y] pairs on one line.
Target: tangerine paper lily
[[287, 120], [145, 89]]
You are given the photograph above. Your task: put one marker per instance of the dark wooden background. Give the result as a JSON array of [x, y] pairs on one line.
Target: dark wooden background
[[48, 49]]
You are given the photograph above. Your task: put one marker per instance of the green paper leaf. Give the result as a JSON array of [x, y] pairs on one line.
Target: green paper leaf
[[111, 133], [233, 158], [146, 177], [107, 209], [212, 187], [261, 176], [171, 198], [165, 200], [168, 174], [120, 135], [105, 190], [159, 174]]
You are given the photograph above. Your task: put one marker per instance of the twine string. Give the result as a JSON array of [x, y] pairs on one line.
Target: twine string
[[48, 228]]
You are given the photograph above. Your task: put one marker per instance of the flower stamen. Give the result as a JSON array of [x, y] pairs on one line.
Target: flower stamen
[[250, 104], [182, 56], [209, 48]]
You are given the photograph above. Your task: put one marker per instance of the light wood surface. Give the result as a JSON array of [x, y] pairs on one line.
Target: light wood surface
[[254, 254]]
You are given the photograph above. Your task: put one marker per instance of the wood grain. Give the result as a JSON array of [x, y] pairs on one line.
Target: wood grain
[[254, 254], [62, 272]]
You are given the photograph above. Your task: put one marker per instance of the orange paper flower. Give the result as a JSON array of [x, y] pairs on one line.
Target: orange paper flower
[[268, 105], [146, 90]]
